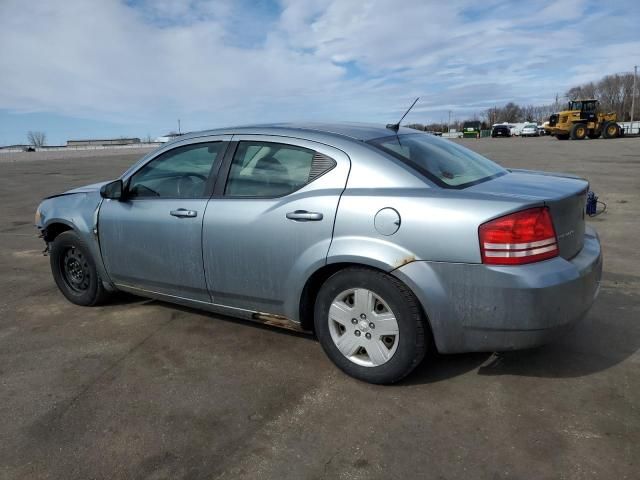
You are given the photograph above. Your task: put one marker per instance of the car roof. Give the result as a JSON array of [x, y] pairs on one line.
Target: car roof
[[356, 131]]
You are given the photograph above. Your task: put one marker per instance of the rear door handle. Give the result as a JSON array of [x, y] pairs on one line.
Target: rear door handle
[[304, 216], [183, 213]]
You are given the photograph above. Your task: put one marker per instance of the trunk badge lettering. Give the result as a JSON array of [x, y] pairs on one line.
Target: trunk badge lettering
[[566, 234]]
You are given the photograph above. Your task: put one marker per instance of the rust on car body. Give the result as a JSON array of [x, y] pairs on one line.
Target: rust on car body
[[277, 321], [404, 261]]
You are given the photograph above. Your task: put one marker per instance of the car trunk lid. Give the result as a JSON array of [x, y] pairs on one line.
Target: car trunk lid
[[565, 196]]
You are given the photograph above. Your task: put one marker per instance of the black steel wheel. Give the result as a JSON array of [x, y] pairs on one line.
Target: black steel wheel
[[74, 270]]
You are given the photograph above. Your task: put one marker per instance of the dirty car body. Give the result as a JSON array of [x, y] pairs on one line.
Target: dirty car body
[[260, 218]]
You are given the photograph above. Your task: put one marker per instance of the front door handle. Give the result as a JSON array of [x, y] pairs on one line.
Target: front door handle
[[183, 213], [304, 216]]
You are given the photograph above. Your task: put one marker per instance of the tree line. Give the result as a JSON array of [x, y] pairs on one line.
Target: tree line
[[614, 93]]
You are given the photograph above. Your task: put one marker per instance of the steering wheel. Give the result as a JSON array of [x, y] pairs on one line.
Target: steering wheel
[[186, 183]]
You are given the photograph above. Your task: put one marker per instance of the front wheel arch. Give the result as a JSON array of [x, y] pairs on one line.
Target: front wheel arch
[[51, 231], [75, 271]]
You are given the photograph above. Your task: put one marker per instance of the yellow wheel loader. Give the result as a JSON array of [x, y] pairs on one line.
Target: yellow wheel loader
[[583, 119]]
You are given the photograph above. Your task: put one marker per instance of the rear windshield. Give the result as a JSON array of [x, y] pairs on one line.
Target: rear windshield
[[444, 162]]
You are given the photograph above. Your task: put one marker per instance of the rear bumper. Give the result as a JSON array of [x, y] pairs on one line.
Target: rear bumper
[[475, 307]]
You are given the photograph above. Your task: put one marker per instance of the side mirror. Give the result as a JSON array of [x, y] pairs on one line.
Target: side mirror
[[112, 190]]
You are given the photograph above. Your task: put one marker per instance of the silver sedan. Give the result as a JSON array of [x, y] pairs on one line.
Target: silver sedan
[[386, 243]]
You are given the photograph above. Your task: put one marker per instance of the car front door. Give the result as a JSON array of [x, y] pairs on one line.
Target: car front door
[[152, 238], [270, 223]]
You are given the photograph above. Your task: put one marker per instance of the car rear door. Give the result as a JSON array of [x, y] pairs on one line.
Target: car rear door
[[152, 238], [270, 222]]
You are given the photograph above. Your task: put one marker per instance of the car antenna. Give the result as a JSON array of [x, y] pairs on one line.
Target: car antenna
[[396, 126]]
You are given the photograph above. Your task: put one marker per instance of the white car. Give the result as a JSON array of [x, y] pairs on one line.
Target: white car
[[529, 130]]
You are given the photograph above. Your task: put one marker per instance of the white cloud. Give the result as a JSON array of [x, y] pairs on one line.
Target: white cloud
[[226, 62]]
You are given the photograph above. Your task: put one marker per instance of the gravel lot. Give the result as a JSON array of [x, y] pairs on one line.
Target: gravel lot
[[143, 389]]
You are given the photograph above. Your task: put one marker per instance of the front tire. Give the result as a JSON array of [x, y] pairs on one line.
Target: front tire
[[578, 131], [74, 270], [370, 325], [562, 136]]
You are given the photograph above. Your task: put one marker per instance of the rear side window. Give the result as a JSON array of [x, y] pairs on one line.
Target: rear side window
[[265, 169], [446, 163]]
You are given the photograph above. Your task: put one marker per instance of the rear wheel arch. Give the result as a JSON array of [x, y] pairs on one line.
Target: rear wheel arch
[[320, 276], [311, 289], [408, 332]]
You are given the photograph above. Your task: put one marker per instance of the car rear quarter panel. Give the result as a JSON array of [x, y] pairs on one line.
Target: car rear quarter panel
[[436, 224]]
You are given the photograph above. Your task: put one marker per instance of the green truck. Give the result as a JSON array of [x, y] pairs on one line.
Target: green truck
[[471, 129]]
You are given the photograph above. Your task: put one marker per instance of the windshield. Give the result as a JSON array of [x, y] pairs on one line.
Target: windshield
[[446, 163]]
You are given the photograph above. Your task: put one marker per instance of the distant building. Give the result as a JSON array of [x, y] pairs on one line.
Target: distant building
[[102, 143], [16, 148], [168, 137]]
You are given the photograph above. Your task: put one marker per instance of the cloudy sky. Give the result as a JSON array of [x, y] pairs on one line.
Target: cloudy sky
[[102, 68]]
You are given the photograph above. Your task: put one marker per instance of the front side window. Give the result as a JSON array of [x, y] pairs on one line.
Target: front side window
[[446, 163], [179, 173], [264, 169]]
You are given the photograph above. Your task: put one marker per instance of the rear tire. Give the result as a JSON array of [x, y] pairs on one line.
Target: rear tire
[[74, 270], [578, 131], [370, 325], [610, 130]]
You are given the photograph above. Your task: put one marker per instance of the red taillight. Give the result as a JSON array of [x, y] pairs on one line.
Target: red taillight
[[521, 237]]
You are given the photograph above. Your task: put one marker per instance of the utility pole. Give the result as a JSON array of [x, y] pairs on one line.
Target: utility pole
[[633, 93], [449, 124], [179, 132]]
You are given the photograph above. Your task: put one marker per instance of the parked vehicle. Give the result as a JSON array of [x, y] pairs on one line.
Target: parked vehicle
[[529, 130], [541, 130], [501, 131], [471, 129], [384, 242], [582, 119]]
